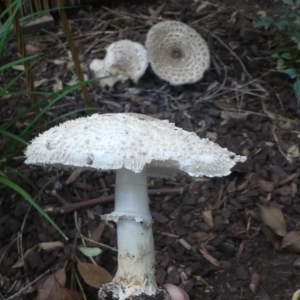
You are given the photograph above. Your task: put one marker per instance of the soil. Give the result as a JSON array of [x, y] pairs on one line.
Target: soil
[[207, 232]]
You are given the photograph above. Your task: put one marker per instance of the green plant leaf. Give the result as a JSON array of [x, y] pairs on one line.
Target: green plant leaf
[[286, 56], [27, 197], [13, 136], [281, 24], [288, 2], [291, 72], [264, 21], [280, 64], [90, 251]]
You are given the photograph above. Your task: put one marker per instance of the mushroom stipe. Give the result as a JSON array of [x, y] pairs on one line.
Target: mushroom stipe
[[134, 146]]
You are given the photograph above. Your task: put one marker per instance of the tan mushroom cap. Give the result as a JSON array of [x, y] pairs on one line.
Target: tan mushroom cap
[[131, 141], [177, 53], [126, 58]]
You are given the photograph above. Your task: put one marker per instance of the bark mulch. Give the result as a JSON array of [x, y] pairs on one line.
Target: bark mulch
[[208, 233]]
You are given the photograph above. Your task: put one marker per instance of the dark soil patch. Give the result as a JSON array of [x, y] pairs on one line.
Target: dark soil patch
[[242, 103]]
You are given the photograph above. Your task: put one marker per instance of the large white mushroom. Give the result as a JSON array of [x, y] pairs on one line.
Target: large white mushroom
[[134, 146], [125, 59], [177, 53]]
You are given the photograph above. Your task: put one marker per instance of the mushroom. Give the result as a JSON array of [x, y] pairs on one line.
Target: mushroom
[[134, 145], [125, 59], [177, 53]]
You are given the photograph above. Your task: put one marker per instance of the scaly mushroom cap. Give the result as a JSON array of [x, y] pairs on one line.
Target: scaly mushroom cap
[[131, 141], [177, 53], [124, 58]]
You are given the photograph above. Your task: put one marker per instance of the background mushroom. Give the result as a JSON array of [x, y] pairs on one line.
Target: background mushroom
[[126, 59], [177, 53], [134, 146]]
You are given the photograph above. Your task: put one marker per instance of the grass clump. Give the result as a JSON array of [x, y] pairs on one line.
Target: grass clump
[[13, 140]]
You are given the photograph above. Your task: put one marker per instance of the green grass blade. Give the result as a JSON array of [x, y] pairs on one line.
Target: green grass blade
[[27, 197], [13, 136], [19, 174], [6, 28], [16, 62]]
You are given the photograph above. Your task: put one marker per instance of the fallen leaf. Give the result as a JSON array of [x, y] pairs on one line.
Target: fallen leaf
[[255, 279], [201, 7], [266, 186], [38, 83], [67, 294], [20, 262], [288, 179], [51, 245], [208, 218], [274, 238], [90, 251], [274, 218], [93, 275], [154, 13], [74, 175], [291, 242], [293, 152], [18, 67], [234, 44], [49, 288], [58, 85], [98, 231]]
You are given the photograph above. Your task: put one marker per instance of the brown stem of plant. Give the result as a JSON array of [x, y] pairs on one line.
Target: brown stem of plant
[[26, 63], [68, 207], [78, 70]]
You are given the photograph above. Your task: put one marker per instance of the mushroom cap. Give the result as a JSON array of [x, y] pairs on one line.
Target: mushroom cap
[[177, 53], [126, 58], [131, 141]]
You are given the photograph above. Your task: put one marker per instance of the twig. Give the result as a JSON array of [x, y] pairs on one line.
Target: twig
[[68, 207], [278, 146], [21, 291], [100, 244], [232, 52], [78, 227]]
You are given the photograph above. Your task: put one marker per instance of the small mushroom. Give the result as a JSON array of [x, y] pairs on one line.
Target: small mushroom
[[135, 146], [177, 53], [125, 59]]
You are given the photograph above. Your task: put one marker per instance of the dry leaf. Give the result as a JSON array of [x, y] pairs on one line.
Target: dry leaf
[[67, 294], [49, 288], [255, 279], [291, 242], [93, 275], [209, 258], [293, 152], [208, 218], [155, 13], [74, 175], [274, 238], [274, 218], [234, 44], [98, 231], [20, 262], [51, 245], [58, 85], [201, 7]]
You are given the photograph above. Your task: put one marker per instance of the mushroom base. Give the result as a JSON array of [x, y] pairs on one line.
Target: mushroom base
[[114, 291]]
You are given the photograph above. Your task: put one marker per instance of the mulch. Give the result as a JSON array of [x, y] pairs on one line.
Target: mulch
[[208, 231]]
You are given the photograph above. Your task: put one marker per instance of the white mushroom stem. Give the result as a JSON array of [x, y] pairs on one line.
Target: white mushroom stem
[[136, 258]]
